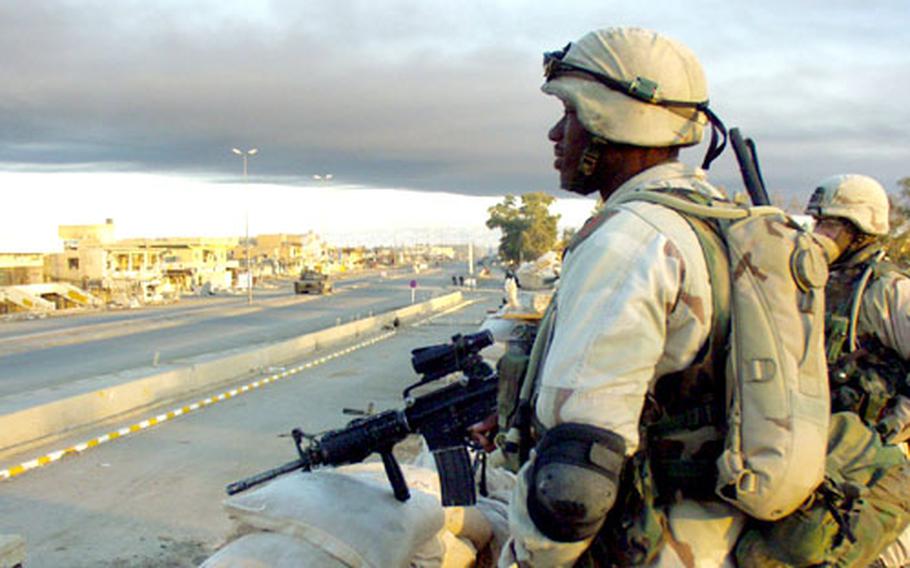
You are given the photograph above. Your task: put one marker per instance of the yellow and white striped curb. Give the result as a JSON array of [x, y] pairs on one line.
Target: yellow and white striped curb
[[149, 422]]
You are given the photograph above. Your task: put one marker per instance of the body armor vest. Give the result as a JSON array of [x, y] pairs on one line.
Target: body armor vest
[[866, 376]]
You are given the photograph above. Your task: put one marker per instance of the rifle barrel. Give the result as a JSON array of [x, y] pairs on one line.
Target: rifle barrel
[[748, 168], [259, 478]]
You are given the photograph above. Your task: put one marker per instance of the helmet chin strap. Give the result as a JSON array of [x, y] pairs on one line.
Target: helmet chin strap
[[587, 165], [858, 253]]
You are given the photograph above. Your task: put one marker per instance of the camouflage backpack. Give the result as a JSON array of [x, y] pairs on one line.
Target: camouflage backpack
[[777, 398]]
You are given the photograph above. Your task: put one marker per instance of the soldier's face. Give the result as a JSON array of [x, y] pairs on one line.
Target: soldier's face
[[841, 232], [569, 139]]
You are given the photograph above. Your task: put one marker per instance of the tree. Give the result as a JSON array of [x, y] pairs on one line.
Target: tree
[[793, 205], [528, 229], [567, 234], [901, 205], [898, 239]]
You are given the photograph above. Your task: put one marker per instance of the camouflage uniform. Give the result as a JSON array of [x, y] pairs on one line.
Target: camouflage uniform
[[868, 338], [868, 305], [634, 305], [872, 380]]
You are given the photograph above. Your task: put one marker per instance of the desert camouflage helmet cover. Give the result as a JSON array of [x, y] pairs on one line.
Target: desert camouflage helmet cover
[[854, 197], [650, 71]]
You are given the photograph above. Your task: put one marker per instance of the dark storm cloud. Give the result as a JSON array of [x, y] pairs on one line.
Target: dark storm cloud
[[146, 90], [421, 95]]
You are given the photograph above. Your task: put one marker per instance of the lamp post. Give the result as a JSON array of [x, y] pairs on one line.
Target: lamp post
[[249, 267]]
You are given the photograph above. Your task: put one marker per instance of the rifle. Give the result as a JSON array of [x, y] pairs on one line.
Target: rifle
[[747, 158], [442, 417]]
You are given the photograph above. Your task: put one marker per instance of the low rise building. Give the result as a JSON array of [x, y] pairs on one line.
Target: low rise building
[[21, 268], [187, 263], [114, 271], [282, 254], [347, 259], [138, 269]]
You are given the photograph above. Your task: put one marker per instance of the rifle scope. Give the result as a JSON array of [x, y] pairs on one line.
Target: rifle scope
[[437, 361]]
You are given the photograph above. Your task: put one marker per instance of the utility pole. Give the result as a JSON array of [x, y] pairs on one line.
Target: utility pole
[[249, 267], [471, 258]]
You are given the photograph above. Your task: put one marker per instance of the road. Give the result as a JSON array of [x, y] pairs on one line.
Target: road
[[42, 354], [154, 498]]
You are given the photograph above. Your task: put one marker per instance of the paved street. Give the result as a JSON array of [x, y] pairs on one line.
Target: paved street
[[46, 353], [154, 498]]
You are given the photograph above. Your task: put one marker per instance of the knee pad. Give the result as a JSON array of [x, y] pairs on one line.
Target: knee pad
[[574, 481]]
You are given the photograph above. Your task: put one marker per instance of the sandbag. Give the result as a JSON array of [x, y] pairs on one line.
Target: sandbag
[[349, 513], [271, 550], [445, 550], [898, 554]]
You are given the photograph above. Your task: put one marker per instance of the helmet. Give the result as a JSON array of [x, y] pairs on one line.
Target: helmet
[[854, 197], [631, 86]]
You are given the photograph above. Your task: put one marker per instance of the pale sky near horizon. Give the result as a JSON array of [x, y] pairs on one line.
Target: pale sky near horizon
[[150, 205], [426, 112]]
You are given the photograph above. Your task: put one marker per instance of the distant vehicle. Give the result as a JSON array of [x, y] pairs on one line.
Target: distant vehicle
[[312, 282]]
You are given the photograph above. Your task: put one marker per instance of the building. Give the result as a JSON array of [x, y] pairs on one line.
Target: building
[[21, 268], [138, 269], [282, 254], [187, 263], [114, 271], [73, 235]]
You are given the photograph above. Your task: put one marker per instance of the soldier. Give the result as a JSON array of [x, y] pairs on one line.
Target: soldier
[[632, 316], [868, 304], [868, 322]]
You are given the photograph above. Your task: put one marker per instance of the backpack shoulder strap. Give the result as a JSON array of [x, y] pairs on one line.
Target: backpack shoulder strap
[[696, 204], [705, 216]]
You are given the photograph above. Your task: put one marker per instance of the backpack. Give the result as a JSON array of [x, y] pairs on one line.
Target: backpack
[[777, 399]]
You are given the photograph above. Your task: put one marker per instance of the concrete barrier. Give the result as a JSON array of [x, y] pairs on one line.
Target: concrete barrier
[[36, 418]]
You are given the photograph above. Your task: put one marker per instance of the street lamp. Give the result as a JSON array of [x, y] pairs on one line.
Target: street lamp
[[249, 267]]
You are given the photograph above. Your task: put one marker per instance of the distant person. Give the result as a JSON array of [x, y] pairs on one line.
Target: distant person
[[511, 290], [461, 281]]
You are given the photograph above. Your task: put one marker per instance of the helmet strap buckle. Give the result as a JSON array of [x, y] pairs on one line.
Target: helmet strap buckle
[[643, 89], [591, 156]]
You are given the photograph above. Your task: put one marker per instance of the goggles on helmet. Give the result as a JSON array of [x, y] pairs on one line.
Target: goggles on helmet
[[641, 89]]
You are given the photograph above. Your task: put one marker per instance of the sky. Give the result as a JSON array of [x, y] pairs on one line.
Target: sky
[[425, 112]]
